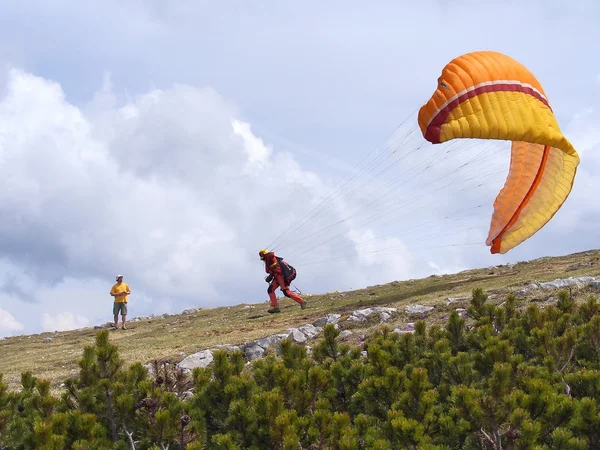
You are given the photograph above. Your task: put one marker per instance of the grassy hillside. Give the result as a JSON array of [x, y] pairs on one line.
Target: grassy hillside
[[177, 336]]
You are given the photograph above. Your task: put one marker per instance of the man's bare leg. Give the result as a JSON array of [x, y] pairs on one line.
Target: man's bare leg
[[124, 316], [116, 321]]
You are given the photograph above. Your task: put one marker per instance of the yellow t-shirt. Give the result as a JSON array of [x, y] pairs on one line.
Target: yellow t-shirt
[[117, 288]]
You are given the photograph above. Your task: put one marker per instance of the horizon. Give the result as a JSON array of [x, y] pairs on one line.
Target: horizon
[[289, 302]]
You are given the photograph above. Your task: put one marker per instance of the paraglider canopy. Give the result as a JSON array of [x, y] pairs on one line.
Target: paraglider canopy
[[488, 95]]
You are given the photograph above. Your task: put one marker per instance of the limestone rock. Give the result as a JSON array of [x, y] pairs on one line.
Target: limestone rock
[[297, 336], [310, 331], [271, 340], [361, 315], [327, 320], [562, 283], [417, 309], [201, 359], [384, 317], [254, 352], [400, 331]]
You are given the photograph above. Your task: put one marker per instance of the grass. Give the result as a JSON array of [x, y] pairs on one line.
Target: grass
[[177, 336]]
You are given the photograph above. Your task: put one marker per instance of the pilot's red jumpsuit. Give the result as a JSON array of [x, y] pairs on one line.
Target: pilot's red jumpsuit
[[273, 268]]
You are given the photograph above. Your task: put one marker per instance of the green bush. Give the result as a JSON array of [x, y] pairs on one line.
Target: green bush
[[500, 378]]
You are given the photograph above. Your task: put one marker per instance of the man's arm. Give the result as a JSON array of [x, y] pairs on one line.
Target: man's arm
[[115, 294], [274, 265]]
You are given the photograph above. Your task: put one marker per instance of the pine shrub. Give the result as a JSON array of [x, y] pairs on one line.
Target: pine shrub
[[499, 378]]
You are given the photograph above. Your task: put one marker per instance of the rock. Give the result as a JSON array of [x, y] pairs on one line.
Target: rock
[[399, 331], [561, 283], [345, 334], [327, 320], [451, 300], [310, 331], [187, 395], [47, 340], [141, 318], [384, 317], [461, 312], [301, 334], [190, 311], [201, 359], [360, 315], [254, 352], [227, 347], [417, 309], [150, 368], [271, 340], [297, 336]]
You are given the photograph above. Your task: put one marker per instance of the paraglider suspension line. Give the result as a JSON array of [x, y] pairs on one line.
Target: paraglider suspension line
[[296, 290]]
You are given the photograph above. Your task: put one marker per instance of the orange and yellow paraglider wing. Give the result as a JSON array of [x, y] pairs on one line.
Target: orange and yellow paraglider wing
[[538, 183], [487, 95]]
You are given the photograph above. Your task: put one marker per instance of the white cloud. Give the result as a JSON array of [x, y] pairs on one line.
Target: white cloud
[[8, 324], [172, 189], [63, 321], [257, 152]]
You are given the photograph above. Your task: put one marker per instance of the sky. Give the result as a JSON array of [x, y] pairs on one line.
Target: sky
[[170, 141]]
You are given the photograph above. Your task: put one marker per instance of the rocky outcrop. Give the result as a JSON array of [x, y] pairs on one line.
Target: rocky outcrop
[[253, 350], [412, 310], [302, 335], [561, 283], [151, 317], [361, 315]]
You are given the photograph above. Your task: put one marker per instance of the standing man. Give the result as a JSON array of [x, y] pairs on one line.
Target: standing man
[[120, 292]]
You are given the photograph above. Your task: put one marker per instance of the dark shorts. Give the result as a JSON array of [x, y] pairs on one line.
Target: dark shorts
[[120, 307]]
